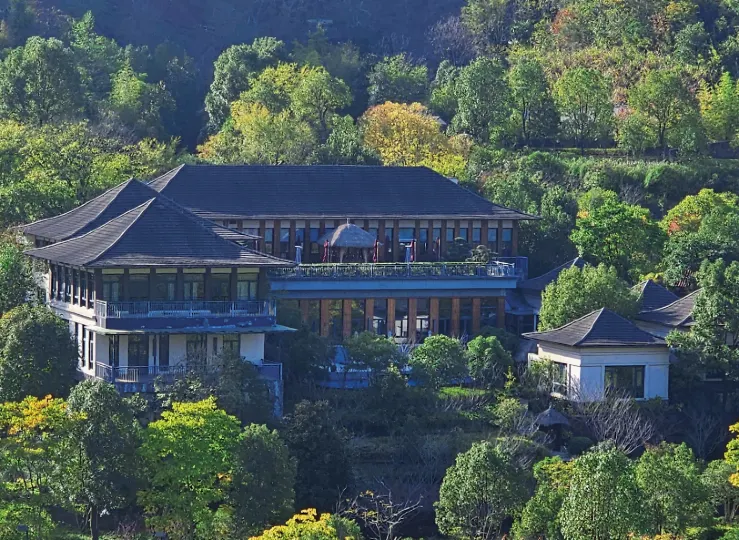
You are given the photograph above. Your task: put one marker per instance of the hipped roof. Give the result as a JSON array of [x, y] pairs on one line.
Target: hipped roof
[[654, 295], [601, 328], [678, 313], [155, 233], [348, 235], [540, 283], [336, 191]]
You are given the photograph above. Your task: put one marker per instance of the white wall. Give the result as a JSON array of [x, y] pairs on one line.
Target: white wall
[[252, 347]]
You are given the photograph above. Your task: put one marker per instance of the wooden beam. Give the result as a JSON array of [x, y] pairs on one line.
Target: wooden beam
[[391, 316], [291, 241], [369, 314], [304, 311], [456, 304], [434, 315], [500, 315], [412, 315]]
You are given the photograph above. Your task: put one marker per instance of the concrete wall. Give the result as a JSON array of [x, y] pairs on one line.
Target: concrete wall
[[252, 347]]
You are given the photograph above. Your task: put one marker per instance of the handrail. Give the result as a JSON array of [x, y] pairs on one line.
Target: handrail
[[502, 267], [138, 374], [184, 308]]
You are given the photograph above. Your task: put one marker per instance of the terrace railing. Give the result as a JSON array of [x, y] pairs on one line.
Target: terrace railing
[[504, 267], [183, 309], [147, 374]]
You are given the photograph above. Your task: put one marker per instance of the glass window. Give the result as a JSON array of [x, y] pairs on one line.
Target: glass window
[[164, 287], [67, 285], [628, 380], [113, 350], [90, 348], [220, 287], [476, 236], [561, 382], [83, 357], [389, 240], [506, 247], [423, 241], [269, 234], [450, 234], [231, 344], [493, 239], [463, 233], [91, 286], [112, 287], [314, 249], [284, 243], [406, 235], [75, 286], [246, 287], [83, 288], [489, 311], [53, 280], [195, 347], [138, 350], [138, 287], [299, 237], [164, 350], [194, 286]]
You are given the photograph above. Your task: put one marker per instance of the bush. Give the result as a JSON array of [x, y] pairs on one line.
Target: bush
[[578, 445]]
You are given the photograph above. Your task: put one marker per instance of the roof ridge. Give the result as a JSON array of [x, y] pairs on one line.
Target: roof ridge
[[592, 325], [170, 174], [110, 246], [679, 300]]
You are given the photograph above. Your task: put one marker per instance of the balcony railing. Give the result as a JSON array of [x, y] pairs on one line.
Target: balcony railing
[[147, 374], [512, 267], [189, 309]]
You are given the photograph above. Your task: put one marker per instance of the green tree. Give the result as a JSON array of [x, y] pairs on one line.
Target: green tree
[[232, 72], [662, 97], [17, 285], [481, 490], [345, 145], [719, 106], [538, 518], [37, 354], [583, 96], [619, 235], [577, 292], [483, 99], [305, 525], [317, 97], [722, 493], [487, 361], [689, 214], [669, 478], [488, 22], [369, 350], [262, 480], [603, 500], [323, 465], [398, 79], [443, 99], [188, 456], [438, 360], [534, 113], [39, 83], [100, 472]]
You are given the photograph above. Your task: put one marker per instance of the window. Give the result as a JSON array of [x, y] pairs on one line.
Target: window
[[628, 380], [67, 285], [299, 237], [138, 287], [423, 241], [138, 350], [463, 233], [246, 287], [315, 250], [269, 237], [389, 241], [406, 235], [561, 379], [75, 286], [90, 348], [450, 234], [476, 236], [232, 344], [284, 243], [164, 287], [220, 286], [53, 283], [254, 231], [164, 350], [493, 239], [506, 245], [114, 351], [77, 342], [83, 288], [194, 286], [90, 287], [196, 347], [112, 287], [83, 356]]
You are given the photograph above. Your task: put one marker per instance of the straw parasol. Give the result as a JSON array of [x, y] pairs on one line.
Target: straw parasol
[[551, 417], [349, 236]]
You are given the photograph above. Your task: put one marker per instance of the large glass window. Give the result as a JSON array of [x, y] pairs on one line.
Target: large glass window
[[300, 237], [53, 280], [269, 238], [506, 245], [195, 348], [284, 243], [628, 380], [561, 382], [423, 242], [164, 287], [114, 353], [389, 238], [138, 350], [406, 235], [220, 286], [138, 287], [493, 239], [232, 344], [67, 285], [315, 251], [194, 286], [112, 287], [90, 348], [489, 311], [75, 286], [246, 287], [463, 233], [449, 234], [164, 350], [476, 236], [83, 288]]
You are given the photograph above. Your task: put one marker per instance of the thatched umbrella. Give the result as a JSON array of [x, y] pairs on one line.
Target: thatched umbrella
[[551, 417], [349, 236]]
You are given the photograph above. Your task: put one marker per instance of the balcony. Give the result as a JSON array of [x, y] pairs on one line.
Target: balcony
[[183, 314], [508, 267]]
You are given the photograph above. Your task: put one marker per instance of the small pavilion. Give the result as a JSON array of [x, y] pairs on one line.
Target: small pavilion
[[350, 242]]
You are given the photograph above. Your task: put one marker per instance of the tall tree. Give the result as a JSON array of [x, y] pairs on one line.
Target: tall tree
[[438, 360], [398, 79], [583, 96], [487, 360], [39, 83], [481, 490], [538, 518], [719, 106], [576, 292], [37, 354], [483, 99], [534, 113], [17, 285]]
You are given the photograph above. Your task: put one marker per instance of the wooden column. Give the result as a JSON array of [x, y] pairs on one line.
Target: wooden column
[[456, 229], [431, 241], [381, 239], [484, 233], [304, 311], [346, 319], [501, 312], [455, 316], [369, 314], [276, 238], [325, 317], [434, 315], [291, 240], [391, 316], [476, 303], [412, 315], [514, 239], [396, 242]]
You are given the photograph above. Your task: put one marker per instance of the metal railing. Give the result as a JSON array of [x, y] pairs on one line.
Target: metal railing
[[502, 267], [147, 374], [184, 308]]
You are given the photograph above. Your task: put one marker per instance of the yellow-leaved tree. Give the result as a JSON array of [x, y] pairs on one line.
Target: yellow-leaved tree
[[307, 524]]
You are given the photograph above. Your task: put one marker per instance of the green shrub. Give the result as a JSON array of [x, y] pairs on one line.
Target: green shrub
[[578, 445]]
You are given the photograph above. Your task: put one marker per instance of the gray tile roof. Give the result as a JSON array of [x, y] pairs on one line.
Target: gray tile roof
[[155, 233], [602, 328], [109, 205], [338, 191], [653, 295], [540, 283], [678, 313]]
